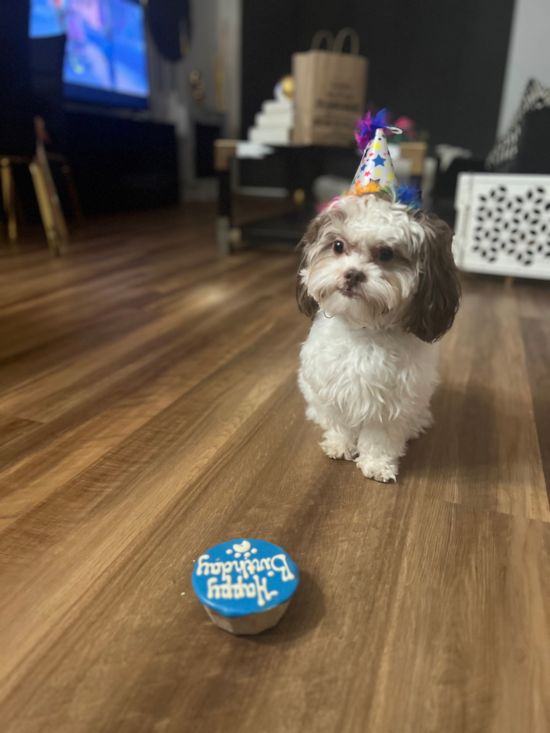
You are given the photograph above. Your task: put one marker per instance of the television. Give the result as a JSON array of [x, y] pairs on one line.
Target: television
[[105, 58]]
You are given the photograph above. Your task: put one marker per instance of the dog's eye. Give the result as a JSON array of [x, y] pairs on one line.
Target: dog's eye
[[338, 247], [385, 254]]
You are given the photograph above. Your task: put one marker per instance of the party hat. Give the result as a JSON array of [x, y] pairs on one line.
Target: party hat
[[375, 172], [376, 168]]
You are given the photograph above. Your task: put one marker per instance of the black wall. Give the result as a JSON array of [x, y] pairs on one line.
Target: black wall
[[441, 62], [16, 107]]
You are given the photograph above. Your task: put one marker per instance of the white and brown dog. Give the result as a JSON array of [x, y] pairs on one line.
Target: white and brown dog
[[381, 285]]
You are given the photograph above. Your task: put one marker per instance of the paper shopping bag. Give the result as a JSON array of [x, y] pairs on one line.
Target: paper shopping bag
[[330, 90]]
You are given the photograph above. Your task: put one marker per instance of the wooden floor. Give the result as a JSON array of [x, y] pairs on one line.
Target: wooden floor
[[149, 409]]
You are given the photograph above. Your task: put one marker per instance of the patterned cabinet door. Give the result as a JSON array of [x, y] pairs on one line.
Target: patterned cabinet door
[[503, 224]]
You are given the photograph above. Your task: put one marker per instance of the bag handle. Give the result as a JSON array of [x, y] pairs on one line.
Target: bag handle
[[340, 39], [321, 36]]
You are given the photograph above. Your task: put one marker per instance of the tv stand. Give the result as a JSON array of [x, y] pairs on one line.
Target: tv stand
[[121, 163]]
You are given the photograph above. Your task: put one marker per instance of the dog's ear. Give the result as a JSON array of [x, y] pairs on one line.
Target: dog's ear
[[306, 303], [435, 303]]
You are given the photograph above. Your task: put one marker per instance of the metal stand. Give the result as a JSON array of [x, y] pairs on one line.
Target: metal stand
[[224, 152]]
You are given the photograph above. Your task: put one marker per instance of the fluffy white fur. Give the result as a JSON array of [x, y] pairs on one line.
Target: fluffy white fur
[[366, 377]]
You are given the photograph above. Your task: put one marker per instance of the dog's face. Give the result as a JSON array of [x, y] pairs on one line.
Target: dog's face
[[373, 262]]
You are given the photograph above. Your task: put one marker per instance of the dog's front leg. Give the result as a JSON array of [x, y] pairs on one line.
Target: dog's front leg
[[380, 447], [340, 442]]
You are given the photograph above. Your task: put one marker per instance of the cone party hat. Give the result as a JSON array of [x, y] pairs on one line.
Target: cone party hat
[[376, 166], [375, 172]]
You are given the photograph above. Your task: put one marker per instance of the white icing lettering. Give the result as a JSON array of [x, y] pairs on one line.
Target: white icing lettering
[[238, 588], [253, 566], [221, 583], [203, 565], [227, 588], [213, 589], [261, 589], [283, 568]]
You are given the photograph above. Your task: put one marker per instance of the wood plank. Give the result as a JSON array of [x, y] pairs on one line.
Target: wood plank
[[38, 465], [149, 409], [12, 427], [417, 633], [484, 450], [44, 398], [536, 336], [184, 437]]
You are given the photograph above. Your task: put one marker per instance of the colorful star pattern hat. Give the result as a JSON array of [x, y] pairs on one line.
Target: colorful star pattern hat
[[375, 172], [376, 166]]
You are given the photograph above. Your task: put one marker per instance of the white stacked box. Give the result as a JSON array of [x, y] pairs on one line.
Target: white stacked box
[[273, 125], [503, 224]]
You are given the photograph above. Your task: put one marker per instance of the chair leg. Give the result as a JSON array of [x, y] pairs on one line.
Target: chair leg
[[51, 192], [8, 196], [46, 210], [73, 193]]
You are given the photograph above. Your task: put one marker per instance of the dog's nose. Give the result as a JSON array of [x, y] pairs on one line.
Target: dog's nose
[[354, 276]]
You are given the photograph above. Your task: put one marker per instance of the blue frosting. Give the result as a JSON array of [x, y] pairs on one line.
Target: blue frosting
[[244, 576]]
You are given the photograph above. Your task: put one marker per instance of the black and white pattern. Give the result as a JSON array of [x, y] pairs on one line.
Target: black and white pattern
[[513, 226], [535, 96]]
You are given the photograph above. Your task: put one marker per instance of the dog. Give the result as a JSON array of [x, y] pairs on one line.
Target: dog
[[380, 283]]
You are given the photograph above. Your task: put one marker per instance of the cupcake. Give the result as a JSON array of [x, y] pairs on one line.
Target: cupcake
[[245, 585]]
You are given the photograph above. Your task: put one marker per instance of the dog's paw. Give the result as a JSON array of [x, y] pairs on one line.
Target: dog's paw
[[378, 469], [335, 446]]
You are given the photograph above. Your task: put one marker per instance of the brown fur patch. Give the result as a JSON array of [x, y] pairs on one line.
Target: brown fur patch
[[436, 301], [306, 303]]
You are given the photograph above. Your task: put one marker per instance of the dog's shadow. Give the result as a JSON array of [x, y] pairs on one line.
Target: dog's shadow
[[304, 614], [464, 439]]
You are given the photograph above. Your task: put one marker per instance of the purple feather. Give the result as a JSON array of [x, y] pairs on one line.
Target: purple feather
[[367, 126]]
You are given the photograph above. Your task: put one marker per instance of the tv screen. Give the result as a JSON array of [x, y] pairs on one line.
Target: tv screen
[[105, 51]]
